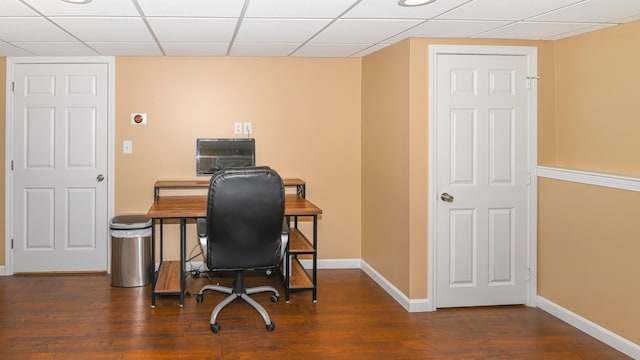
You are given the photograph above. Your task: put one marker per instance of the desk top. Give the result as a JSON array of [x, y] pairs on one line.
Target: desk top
[[167, 207]]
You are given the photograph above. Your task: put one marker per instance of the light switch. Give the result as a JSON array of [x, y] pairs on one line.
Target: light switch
[[127, 147]]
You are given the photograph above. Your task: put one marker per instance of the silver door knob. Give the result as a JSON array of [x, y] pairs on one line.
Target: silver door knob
[[100, 178], [446, 197]]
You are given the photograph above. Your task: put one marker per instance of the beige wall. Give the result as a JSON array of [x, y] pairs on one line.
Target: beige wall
[[597, 103], [588, 235], [588, 253], [306, 122], [385, 163], [395, 110]]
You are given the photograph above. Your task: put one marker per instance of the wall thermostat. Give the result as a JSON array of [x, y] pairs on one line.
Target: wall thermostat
[[138, 118]]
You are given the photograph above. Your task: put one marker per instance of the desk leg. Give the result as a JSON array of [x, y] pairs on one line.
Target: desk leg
[[153, 263], [287, 265], [315, 257], [183, 245]]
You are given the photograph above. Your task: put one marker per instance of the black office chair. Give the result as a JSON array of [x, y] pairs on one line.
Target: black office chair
[[245, 230]]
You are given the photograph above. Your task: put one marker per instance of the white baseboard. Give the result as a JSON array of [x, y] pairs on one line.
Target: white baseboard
[[3, 270], [411, 305], [415, 305], [333, 264], [606, 336]]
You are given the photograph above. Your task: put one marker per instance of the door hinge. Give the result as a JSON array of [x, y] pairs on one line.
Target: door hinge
[[527, 275], [531, 77], [11, 244], [11, 165], [13, 86]]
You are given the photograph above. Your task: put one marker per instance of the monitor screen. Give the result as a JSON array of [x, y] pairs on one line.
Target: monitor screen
[[213, 155]]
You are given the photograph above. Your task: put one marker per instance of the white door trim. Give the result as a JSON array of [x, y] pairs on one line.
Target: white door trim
[[11, 62], [532, 63]]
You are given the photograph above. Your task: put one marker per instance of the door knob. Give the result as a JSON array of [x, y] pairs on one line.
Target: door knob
[[446, 197], [100, 178]]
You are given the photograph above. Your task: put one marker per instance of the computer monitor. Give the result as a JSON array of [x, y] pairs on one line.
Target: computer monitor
[[215, 154]]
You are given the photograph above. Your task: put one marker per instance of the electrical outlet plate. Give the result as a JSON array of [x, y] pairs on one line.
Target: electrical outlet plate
[[247, 128], [237, 128]]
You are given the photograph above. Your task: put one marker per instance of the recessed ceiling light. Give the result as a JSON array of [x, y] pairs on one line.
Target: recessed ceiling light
[[77, 1], [410, 3]]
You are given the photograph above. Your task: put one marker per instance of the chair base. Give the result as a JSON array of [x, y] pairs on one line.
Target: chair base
[[239, 292]]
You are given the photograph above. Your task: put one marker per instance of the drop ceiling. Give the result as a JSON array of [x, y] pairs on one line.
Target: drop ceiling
[[298, 28]]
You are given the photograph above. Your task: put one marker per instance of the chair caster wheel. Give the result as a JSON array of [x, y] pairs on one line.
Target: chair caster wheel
[[271, 327], [215, 328], [199, 298], [274, 298]]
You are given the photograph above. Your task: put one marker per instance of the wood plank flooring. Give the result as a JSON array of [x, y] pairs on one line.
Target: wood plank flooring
[[83, 317]]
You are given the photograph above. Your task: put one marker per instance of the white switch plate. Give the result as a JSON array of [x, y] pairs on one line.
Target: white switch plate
[[247, 128], [127, 147], [237, 128]]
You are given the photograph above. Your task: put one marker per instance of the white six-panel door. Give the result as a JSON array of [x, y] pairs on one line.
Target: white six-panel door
[[482, 180], [60, 167]]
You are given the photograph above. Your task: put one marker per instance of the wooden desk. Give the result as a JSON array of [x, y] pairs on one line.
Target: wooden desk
[[171, 274]]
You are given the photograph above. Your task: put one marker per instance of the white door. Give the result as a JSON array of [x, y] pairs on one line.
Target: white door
[[481, 180], [60, 188]]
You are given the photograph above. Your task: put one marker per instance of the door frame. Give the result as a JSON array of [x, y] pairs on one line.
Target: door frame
[[11, 63], [531, 54]]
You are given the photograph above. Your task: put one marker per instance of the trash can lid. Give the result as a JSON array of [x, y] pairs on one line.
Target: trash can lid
[[130, 222]]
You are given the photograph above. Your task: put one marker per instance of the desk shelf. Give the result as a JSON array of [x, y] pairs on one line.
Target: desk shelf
[[300, 279], [168, 278], [299, 184], [298, 244]]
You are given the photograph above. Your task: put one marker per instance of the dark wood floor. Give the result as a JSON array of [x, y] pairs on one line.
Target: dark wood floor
[[83, 317]]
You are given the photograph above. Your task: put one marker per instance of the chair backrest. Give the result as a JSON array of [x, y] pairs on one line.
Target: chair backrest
[[245, 213]]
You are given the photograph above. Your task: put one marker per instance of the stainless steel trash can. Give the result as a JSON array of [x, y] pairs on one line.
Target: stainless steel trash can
[[130, 250]]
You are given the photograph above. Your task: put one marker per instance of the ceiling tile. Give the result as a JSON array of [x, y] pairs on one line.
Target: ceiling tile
[[57, 48], [98, 29], [195, 48], [533, 30], [370, 50], [330, 50], [594, 11], [580, 31], [278, 30], [628, 19], [193, 29], [449, 29], [197, 8], [95, 8], [351, 28], [9, 50], [262, 49], [15, 8], [30, 29], [308, 9], [126, 48], [362, 31], [389, 9], [504, 9]]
